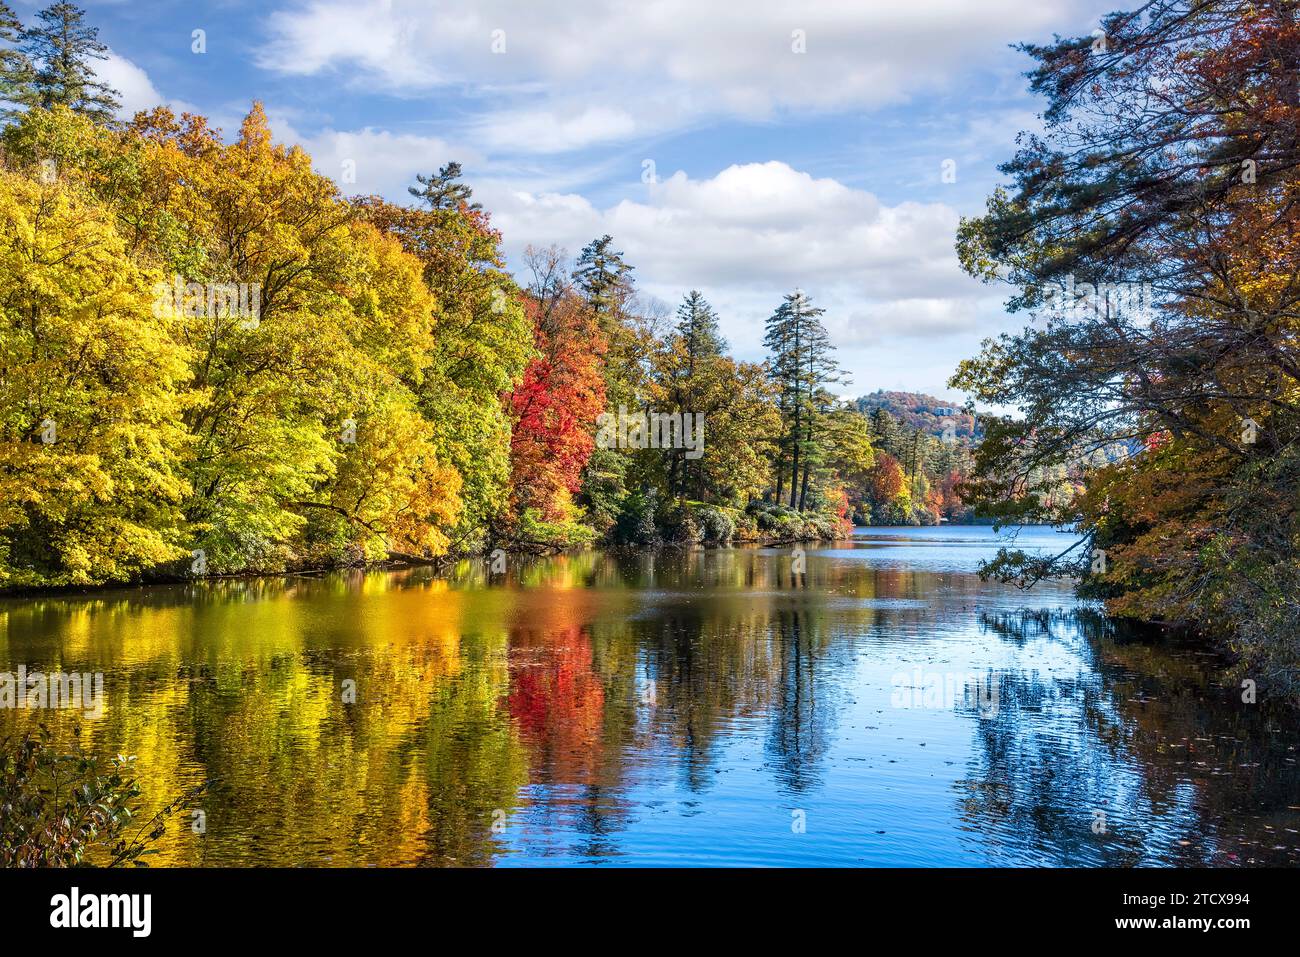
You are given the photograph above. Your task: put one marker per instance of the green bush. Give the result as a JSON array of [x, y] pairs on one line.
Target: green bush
[[745, 527], [716, 526], [568, 533], [678, 525], [636, 524]]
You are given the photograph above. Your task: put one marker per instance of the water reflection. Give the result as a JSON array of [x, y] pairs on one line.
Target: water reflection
[[671, 708]]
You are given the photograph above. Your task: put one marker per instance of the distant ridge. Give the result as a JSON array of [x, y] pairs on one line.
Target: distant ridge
[[920, 412]]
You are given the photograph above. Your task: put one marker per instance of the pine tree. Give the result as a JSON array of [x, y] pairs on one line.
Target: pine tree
[[820, 370], [885, 429], [16, 73], [802, 365], [604, 279], [63, 47], [602, 275], [693, 362], [443, 190], [781, 344], [697, 324]]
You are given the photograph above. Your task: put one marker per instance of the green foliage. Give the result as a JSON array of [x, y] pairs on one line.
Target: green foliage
[[603, 276], [63, 46], [717, 526], [17, 74], [604, 488], [568, 532], [802, 366], [697, 325], [444, 190], [637, 522], [678, 523], [67, 809]]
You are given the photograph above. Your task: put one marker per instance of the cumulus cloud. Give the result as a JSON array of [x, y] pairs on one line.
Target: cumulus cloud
[[371, 161], [757, 222], [755, 231], [886, 273], [136, 91]]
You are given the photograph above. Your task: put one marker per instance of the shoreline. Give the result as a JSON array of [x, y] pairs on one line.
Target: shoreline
[[408, 563]]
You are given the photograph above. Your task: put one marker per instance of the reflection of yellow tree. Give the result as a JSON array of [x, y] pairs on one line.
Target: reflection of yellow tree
[[468, 688], [250, 693]]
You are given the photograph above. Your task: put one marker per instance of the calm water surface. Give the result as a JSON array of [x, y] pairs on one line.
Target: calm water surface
[[881, 707]]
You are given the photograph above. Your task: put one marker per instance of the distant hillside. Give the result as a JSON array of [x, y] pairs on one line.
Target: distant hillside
[[921, 412]]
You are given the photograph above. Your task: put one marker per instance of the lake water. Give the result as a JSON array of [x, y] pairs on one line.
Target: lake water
[[872, 704]]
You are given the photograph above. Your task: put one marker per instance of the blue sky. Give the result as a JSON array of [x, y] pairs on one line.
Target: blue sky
[[793, 144]]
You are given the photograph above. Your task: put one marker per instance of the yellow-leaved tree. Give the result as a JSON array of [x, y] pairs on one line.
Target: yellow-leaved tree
[[91, 395]]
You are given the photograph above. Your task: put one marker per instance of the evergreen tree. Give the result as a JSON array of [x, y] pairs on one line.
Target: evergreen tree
[[802, 365], [62, 47], [696, 377], [820, 370], [604, 280], [16, 73], [444, 190], [602, 275], [886, 431], [697, 324]]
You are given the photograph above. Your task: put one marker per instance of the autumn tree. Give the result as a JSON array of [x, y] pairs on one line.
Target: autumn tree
[[731, 405], [484, 341], [887, 480], [1154, 229], [555, 405], [309, 440], [91, 443]]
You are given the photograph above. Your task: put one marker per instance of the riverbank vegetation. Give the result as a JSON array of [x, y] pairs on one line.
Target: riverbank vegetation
[[1154, 232], [70, 809], [213, 362]]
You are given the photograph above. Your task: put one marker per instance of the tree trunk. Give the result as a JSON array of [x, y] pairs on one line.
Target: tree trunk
[[807, 467]]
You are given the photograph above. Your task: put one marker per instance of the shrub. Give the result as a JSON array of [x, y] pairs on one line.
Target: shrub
[[568, 532], [58, 809], [678, 524], [716, 525], [636, 520]]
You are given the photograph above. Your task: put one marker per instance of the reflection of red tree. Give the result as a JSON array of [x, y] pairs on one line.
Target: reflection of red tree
[[558, 701]]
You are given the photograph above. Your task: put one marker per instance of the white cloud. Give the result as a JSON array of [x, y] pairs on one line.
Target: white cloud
[[887, 274], [546, 131], [575, 74], [384, 163], [758, 222], [136, 91], [754, 232]]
